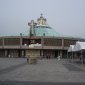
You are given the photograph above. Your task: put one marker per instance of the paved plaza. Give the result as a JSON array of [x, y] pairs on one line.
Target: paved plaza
[[16, 71]]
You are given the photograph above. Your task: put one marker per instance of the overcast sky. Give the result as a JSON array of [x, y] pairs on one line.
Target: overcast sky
[[67, 17]]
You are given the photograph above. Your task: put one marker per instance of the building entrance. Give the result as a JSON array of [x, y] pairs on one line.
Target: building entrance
[[56, 54], [48, 54]]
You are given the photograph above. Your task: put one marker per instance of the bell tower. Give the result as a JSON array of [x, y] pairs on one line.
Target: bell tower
[[32, 25]]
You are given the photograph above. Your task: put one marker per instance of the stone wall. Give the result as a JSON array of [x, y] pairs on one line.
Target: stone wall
[[33, 53]]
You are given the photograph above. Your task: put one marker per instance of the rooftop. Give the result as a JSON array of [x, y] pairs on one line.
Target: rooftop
[[41, 28]]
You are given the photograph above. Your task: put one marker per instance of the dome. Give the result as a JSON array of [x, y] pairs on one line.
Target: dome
[[41, 28], [45, 31]]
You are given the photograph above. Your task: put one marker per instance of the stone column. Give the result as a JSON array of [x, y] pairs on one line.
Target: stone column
[[61, 53], [42, 42], [41, 53], [62, 43], [20, 40], [3, 42], [5, 53], [22, 52]]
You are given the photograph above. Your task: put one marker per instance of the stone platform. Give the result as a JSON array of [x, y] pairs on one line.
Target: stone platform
[[16, 71]]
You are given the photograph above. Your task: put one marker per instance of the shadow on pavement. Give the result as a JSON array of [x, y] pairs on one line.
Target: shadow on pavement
[[11, 68], [71, 67]]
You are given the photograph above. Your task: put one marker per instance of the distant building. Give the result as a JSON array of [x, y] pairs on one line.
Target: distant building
[[42, 41]]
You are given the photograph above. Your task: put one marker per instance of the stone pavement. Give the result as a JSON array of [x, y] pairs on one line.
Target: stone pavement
[[16, 71]]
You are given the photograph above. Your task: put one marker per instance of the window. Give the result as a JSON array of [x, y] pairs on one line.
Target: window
[[11, 41], [52, 42]]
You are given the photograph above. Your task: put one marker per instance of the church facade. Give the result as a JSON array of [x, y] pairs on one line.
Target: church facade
[[42, 41]]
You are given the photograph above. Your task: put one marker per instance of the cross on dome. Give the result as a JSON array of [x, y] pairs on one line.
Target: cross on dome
[[41, 15]]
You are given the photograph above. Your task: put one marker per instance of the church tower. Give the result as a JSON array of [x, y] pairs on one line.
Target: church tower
[[32, 25]]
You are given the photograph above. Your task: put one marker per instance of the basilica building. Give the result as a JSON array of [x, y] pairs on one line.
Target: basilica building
[[42, 41]]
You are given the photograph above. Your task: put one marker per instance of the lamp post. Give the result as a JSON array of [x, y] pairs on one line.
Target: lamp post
[[20, 40], [20, 44], [82, 59], [43, 42]]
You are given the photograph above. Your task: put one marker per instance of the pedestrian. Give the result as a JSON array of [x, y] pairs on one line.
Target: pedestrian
[[59, 58]]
